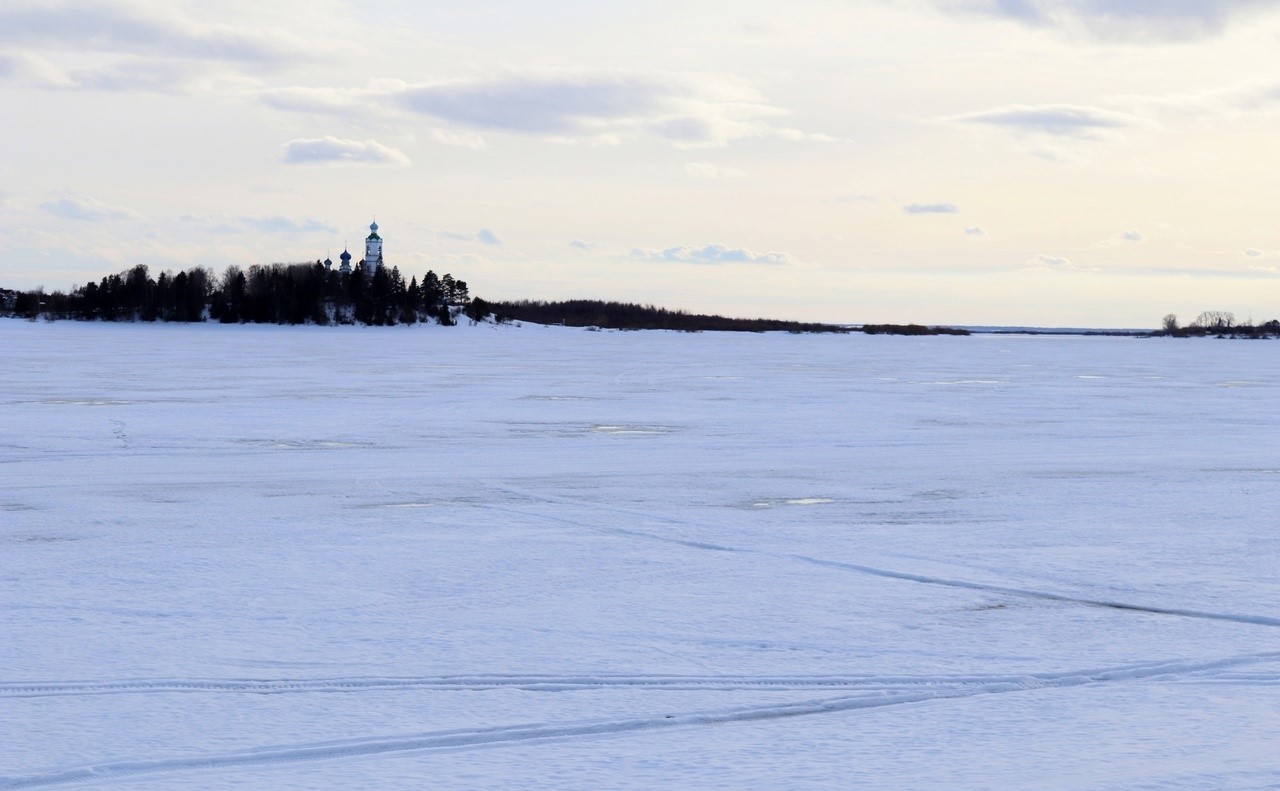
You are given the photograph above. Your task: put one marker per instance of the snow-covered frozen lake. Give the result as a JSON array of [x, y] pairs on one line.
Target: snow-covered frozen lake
[[539, 558]]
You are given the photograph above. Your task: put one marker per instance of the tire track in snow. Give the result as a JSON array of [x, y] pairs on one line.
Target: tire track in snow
[[543, 732], [534, 683], [1027, 593]]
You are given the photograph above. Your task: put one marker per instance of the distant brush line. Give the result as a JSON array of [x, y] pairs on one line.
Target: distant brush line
[[541, 732]]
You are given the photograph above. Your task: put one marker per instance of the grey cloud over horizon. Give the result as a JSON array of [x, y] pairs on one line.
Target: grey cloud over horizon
[[84, 208], [710, 170], [689, 111], [483, 236], [125, 28], [62, 45], [856, 198], [273, 224], [1055, 262], [156, 75], [1130, 20], [709, 254], [1055, 120], [931, 208], [335, 150]]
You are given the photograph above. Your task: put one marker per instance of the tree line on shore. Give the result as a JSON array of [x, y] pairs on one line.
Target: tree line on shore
[[262, 294], [630, 316], [1218, 324], [311, 293]]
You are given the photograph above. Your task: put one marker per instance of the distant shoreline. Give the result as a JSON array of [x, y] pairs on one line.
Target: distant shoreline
[[313, 294], [1075, 331]]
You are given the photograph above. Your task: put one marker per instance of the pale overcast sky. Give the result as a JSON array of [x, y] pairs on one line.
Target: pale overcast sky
[[1047, 162]]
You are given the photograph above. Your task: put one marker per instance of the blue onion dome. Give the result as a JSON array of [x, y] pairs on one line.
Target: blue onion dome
[[345, 256]]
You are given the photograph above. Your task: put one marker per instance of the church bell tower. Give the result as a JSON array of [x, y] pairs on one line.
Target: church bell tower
[[373, 249]]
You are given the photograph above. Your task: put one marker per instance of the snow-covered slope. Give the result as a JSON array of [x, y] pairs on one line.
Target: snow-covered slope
[[478, 557]]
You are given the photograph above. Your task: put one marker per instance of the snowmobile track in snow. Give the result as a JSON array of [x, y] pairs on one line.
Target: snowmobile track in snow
[[532, 683], [543, 732], [1026, 593], [1261, 620]]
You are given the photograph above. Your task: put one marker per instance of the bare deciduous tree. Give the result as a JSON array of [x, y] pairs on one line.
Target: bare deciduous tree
[[1216, 320]]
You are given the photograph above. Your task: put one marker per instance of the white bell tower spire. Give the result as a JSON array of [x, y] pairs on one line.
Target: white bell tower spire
[[373, 249]]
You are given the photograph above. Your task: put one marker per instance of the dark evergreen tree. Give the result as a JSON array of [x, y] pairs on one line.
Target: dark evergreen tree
[[432, 296], [477, 310]]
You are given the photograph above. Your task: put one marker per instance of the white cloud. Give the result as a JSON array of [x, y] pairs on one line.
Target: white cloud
[[1051, 262], [930, 208], [856, 198], [686, 110], [1132, 236], [975, 232], [581, 245], [708, 170], [343, 102], [557, 105], [461, 139], [1053, 120], [260, 224], [1254, 253], [1155, 20], [23, 65], [109, 45], [447, 261], [710, 254], [484, 236], [163, 76], [71, 207], [335, 150], [119, 27]]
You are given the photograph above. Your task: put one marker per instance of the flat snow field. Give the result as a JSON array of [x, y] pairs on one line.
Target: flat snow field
[[541, 558]]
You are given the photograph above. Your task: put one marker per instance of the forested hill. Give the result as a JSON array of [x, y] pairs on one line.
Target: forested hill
[[268, 294]]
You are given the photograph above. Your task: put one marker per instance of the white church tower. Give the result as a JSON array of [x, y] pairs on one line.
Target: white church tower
[[373, 250]]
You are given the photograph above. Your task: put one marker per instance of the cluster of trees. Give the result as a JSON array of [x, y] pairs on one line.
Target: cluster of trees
[[270, 294], [1220, 324], [629, 316], [910, 329]]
